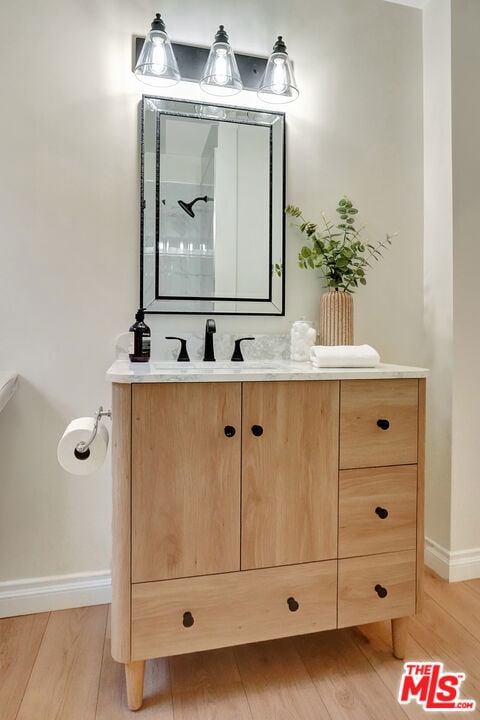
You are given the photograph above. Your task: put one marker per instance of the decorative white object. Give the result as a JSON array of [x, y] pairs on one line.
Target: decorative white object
[[302, 338]]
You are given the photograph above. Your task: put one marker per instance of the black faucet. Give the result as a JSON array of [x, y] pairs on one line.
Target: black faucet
[[210, 328]]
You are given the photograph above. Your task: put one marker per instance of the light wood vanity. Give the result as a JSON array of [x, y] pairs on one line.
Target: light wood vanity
[[249, 509]]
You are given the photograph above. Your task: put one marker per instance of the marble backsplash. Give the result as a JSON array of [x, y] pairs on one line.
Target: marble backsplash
[[264, 347]]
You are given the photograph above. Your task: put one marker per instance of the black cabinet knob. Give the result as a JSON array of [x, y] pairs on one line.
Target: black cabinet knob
[[381, 591], [292, 604], [229, 430], [381, 512], [188, 619], [383, 424], [257, 430]]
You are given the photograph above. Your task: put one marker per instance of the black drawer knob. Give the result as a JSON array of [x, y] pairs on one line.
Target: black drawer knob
[[383, 424], [257, 430], [188, 619], [292, 604], [381, 512], [381, 591], [229, 430]]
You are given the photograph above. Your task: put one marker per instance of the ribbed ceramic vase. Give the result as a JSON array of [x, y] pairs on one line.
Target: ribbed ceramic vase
[[336, 318]]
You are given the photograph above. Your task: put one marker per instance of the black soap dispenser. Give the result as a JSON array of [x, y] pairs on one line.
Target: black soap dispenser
[[141, 339]]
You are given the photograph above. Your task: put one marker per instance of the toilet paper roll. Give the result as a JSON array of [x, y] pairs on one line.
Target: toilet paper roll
[[81, 429]]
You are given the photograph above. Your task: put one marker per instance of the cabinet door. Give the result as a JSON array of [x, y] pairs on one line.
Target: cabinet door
[[185, 479], [289, 472]]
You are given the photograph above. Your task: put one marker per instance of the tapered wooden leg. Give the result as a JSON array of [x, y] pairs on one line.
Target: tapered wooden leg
[[399, 636], [134, 674]]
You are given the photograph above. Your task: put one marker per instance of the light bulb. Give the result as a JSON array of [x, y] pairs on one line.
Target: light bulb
[[220, 71], [158, 56], [279, 84]]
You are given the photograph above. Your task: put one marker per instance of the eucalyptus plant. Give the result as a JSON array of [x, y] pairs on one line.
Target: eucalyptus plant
[[338, 250]]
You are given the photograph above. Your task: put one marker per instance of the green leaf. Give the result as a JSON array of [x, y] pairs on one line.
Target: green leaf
[[363, 281], [342, 203], [353, 211], [293, 210]]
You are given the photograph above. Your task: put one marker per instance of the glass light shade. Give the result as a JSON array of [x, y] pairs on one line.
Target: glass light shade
[[220, 75], [278, 83], [156, 63]]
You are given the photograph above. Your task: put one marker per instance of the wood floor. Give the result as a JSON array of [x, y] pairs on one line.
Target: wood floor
[[57, 666]]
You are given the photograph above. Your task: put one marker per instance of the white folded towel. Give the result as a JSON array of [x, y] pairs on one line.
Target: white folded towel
[[344, 356]]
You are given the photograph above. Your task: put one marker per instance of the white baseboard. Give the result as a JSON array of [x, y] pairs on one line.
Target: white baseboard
[[33, 595], [453, 566]]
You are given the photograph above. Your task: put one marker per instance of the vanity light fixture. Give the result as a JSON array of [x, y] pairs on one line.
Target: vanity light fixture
[[218, 71], [156, 64], [278, 84], [220, 75]]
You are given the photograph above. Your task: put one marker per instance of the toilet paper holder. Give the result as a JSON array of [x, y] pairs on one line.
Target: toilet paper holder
[[82, 450]]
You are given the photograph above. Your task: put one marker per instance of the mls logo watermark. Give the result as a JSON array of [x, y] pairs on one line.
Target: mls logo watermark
[[433, 688]]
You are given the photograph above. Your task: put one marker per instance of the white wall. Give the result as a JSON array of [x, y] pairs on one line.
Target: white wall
[[452, 255], [438, 241], [69, 217], [465, 529]]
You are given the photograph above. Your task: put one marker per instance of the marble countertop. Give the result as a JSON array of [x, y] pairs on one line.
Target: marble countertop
[[8, 385], [123, 371]]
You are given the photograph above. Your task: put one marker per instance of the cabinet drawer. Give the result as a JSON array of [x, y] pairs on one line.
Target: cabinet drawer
[[232, 608], [376, 587], [377, 510], [378, 422]]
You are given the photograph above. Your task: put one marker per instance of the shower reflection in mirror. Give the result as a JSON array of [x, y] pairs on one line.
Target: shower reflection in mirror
[[212, 208]]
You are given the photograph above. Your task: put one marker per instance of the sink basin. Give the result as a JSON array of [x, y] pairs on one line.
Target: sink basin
[[199, 365], [8, 385]]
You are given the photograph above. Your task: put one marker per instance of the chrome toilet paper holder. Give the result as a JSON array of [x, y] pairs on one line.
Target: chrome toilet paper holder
[[82, 448]]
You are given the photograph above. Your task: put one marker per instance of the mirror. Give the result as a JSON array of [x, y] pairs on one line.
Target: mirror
[[212, 208]]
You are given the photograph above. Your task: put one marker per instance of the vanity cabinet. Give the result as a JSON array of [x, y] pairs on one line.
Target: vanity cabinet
[[246, 511]]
